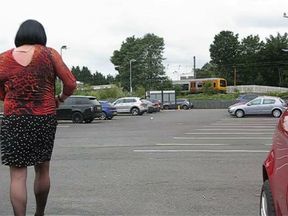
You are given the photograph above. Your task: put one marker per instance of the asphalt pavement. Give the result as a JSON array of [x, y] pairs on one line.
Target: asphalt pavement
[[189, 162]]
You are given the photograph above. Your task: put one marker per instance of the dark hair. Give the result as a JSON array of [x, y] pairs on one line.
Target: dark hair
[[30, 32]]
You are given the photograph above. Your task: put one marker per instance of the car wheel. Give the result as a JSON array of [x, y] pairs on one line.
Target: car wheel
[[77, 117], [239, 113], [135, 111], [184, 107], [266, 201], [103, 116], [276, 113], [88, 120]]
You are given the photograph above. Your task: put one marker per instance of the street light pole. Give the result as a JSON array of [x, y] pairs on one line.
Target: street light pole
[[62, 47], [130, 63]]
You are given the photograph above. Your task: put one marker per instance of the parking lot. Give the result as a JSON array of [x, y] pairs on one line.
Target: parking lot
[[179, 162]]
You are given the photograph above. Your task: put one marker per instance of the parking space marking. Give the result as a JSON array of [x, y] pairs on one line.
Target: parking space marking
[[222, 138], [229, 133], [235, 129], [240, 126], [191, 144], [197, 151]]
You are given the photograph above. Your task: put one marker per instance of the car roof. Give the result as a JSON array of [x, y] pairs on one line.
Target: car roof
[[82, 96], [269, 97], [129, 98]]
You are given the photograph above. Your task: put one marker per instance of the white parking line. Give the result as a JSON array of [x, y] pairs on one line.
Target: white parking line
[[222, 138], [190, 144], [228, 133], [240, 126], [249, 124], [198, 151], [235, 129]]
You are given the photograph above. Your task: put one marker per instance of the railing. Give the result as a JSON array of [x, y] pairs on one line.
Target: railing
[[255, 89]]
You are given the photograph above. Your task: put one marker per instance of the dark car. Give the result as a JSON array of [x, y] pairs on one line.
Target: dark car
[[79, 108], [243, 98], [156, 104], [180, 104], [108, 110], [274, 192]]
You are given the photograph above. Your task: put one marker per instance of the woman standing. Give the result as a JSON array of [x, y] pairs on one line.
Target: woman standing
[[27, 86]]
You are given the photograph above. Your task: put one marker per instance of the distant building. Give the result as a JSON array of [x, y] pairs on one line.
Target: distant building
[[186, 76], [98, 87]]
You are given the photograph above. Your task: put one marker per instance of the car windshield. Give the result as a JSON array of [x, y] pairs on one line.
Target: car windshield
[[94, 101]]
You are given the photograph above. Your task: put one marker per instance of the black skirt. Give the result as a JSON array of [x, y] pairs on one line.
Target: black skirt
[[27, 140]]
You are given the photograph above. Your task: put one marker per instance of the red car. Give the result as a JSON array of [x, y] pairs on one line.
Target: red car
[[274, 193]]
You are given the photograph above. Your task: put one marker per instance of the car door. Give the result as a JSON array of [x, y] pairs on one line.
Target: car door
[[254, 107], [129, 103], [267, 105], [279, 174], [120, 105], [64, 111]]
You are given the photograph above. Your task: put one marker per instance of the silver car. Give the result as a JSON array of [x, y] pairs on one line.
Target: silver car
[[262, 105], [133, 105]]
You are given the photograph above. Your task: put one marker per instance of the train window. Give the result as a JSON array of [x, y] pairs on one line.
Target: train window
[[199, 85], [223, 83]]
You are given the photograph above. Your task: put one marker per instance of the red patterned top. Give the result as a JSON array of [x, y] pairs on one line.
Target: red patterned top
[[30, 90]]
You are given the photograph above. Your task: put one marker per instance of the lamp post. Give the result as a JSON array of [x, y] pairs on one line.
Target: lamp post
[[62, 47], [130, 63]]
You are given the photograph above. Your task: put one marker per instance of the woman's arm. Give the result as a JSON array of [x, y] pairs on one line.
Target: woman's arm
[[65, 75]]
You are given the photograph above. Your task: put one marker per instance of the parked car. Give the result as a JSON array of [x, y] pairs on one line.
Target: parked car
[[180, 103], [157, 104], [246, 97], [132, 105], [79, 108], [108, 110], [151, 107], [262, 105], [274, 192]]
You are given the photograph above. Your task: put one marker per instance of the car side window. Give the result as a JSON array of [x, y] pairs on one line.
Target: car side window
[[129, 100], [119, 101], [80, 101], [268, 101], [256, 102]]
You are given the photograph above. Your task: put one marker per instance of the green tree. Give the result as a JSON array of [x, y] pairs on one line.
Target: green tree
[[224, 52], [147, 67], [250, 49], [98, 79], [273, 60], [83, 75], [208, 70]]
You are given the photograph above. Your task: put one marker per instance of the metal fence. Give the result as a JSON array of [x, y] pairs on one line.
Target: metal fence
[[255, 89]]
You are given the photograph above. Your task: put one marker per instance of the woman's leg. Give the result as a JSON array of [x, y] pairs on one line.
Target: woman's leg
[[41, 186], [18, 190]]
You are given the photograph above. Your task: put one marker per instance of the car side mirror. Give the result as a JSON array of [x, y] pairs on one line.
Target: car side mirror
[[248, 104]]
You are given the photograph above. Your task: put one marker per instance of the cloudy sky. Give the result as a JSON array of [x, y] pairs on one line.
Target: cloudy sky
[[93, 29]]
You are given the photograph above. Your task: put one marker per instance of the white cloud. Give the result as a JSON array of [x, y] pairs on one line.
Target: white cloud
[[93, 29]]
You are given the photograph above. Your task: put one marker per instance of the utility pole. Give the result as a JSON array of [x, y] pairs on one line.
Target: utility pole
[[194, 67], [235, 75]]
